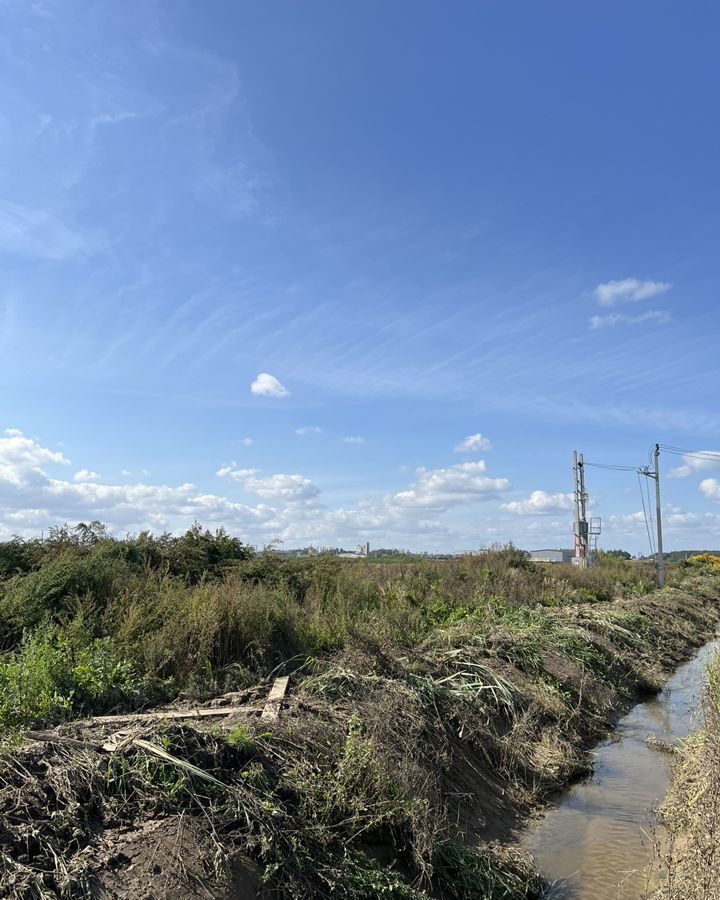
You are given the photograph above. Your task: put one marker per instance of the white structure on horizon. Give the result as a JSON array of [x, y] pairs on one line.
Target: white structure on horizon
[[551, 556], [362, 550]]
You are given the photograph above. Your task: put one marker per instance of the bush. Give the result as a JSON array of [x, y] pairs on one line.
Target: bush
[[48, 679]]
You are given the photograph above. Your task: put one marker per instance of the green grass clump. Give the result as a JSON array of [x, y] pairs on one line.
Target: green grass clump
[[240, 739]]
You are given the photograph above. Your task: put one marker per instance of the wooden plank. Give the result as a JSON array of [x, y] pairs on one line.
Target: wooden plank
[[275, 699], [170, 714]]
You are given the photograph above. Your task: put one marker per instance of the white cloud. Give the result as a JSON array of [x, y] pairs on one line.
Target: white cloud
[[709, 460], [288, 506], [246, 441], [287, 488], [86, 475], [540, 503], [442, 488], [353, 439], [21, 459], [628, 290], [659, 316], [309, 429], [32, 499], [710, 487], [473, 443], [266, 385], [125, 472]]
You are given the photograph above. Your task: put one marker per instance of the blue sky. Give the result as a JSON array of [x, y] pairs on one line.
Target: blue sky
[[417, 223]]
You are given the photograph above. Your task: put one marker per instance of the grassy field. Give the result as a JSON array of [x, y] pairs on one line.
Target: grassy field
[[433, 703]]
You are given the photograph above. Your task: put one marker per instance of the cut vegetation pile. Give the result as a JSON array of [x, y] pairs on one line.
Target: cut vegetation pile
[[431, 704]]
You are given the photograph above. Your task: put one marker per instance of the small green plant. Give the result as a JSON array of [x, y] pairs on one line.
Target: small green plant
[[240, 738]]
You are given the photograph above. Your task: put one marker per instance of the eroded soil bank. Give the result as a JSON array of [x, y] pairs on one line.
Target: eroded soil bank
[[387, 774]]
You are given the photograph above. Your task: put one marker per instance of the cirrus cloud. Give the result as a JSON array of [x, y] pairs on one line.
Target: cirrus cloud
[[659, 316]]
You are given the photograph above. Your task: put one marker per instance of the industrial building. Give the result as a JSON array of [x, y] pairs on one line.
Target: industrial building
[[552, 556]]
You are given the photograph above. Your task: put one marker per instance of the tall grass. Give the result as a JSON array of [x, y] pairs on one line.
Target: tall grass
[[202, 613]]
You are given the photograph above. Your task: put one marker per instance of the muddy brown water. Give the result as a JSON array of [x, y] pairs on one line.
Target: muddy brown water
[[596, 841]]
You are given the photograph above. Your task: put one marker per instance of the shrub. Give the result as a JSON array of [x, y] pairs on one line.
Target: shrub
[[48, 679]]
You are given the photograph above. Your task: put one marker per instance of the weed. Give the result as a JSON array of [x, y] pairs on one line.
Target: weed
[[240, 738]]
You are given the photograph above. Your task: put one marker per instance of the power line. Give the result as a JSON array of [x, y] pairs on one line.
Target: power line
[[616, 468], [645, 515], [711, 455], [650, 509]]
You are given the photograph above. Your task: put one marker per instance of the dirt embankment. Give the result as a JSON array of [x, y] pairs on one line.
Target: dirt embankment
[[690, 857], [387, 774]]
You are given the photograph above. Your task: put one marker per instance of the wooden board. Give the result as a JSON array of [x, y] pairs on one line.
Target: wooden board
[[275, 698]]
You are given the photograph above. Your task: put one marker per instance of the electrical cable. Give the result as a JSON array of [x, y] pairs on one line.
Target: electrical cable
[[645, 515], [710, 455], [651, 514], [616, 468]]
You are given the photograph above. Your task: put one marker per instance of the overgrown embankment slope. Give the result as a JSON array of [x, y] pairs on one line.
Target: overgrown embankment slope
[[431, 705], [690, 856]]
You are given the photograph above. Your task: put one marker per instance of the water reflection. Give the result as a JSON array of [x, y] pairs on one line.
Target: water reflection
[[597, 842]]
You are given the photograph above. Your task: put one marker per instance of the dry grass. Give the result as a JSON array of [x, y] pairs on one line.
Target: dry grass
[[690, 856]]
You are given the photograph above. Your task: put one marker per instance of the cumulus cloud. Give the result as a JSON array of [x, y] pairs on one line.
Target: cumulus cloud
[[473, 443], [22, 459], [86, 475], [32, 498], [353, 439], [309, 429], [266, 385], [628, 290], [540, 503], [246, 441], [710, 459], [34, 495], [710, 487], [442, 488], [659, 316], [288, 488]]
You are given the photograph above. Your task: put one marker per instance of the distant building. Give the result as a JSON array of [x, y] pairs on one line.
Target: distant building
[[362, 550], [551, 556]]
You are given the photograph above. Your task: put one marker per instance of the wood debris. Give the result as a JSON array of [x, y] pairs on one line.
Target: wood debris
[[275, 699]]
